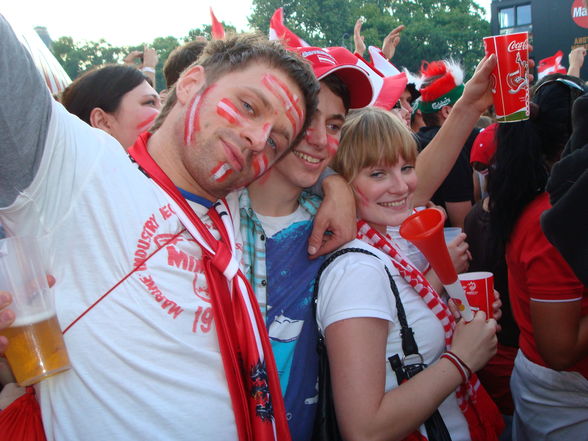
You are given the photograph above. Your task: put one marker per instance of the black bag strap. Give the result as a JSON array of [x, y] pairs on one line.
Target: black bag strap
[[434, 425], [409, 345]]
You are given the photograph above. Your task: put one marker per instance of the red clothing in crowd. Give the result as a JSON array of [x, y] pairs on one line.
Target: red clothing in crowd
[[536, 270]]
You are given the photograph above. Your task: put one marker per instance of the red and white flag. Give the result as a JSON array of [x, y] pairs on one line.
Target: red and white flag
[[277, 31], [217, 31], [551, 65], [380, 62]]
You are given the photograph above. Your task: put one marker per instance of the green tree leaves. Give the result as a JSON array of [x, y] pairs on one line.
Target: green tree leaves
[[434, 29]]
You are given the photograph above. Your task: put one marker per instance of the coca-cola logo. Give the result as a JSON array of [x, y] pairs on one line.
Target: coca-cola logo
[[580, 13], [515, 46]]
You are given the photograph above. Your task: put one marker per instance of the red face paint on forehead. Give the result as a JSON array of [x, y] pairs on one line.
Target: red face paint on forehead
[[289, 100], [221, 172], [145, 125], [192, 121], [227, 109]]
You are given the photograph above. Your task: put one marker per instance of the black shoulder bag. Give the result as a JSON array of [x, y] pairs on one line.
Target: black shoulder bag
[[325, 424]]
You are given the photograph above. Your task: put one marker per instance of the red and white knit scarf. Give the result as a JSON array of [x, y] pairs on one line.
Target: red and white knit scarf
[[244, 344], [481, 413]]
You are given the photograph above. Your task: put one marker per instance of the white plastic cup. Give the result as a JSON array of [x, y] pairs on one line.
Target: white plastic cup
[[451, 233], [36, 349]]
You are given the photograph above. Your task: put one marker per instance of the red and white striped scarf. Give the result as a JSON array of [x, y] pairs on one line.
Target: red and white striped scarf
[[246, 352], [479, 410]]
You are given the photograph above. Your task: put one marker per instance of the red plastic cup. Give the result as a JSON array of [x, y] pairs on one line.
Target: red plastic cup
[[479, 290], [510, 87]]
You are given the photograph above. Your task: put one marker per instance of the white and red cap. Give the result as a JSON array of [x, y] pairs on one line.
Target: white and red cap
[[387, 82], [342, 63]]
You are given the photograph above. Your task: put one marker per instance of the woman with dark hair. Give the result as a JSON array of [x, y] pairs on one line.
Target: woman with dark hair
[[115, 98], [549, 384]]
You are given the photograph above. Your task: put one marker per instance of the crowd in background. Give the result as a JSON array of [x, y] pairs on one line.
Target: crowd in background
[[387, 143]]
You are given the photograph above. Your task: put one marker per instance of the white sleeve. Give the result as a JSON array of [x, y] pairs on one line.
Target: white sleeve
[[354, 285]]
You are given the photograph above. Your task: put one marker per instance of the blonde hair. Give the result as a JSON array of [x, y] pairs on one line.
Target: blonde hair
[[370, 137]]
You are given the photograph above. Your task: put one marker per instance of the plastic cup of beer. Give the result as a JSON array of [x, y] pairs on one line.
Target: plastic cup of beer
[[479, 290], [36, 349], [510, 86]]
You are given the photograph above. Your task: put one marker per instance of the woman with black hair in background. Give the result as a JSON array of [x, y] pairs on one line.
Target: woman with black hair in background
[[115, 98], [550, 305]]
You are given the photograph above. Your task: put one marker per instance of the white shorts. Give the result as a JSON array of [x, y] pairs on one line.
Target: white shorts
[[550, 405]]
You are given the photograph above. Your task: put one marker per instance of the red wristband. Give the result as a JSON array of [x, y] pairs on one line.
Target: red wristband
[[467, 368], [457, 365]]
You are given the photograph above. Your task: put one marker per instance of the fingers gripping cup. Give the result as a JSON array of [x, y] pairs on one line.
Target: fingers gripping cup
[[36, 348], [510, 86], [479, 289]]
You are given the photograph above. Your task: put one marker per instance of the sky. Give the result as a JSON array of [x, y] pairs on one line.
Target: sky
[[129, 23]]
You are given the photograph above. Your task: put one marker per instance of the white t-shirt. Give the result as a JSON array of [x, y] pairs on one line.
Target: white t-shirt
[[274, 224], [356, 285], [146, 360]]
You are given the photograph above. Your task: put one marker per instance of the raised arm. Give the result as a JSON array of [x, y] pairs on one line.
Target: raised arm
[[358, 38], [576, 59], [25, 109], [435, 162]]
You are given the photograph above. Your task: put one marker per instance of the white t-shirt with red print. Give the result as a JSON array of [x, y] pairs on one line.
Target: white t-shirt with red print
[[146, 360]]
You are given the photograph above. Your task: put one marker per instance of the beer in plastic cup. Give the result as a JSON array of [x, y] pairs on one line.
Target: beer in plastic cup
[[510, 86], [36, 349], [479, 290]]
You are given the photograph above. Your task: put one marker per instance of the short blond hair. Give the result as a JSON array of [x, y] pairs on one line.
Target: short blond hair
[[370, 137]]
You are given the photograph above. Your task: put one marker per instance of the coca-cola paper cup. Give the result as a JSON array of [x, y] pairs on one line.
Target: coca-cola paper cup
[[510, 86], [479, 290]]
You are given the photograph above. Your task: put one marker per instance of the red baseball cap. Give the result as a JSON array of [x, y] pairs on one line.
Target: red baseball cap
[[484, 146], [342, 63]]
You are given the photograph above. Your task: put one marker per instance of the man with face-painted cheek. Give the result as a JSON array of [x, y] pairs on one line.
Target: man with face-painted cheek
[[276, 220], [162, 330]]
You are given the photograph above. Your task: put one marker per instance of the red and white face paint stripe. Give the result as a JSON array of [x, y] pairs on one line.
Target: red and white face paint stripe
[[260, 165], [288, 99], [229, 111], [192, 121], [221, 172]]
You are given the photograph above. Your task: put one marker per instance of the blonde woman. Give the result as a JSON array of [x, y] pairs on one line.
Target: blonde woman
[[359, 316]]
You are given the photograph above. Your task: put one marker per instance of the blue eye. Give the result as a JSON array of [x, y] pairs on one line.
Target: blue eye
[[272, 143], [248, 107], [407, 168], [376, 174]]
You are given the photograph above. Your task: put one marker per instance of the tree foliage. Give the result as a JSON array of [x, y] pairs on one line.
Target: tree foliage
[[206, 31], [435, 29], [78, 57]]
